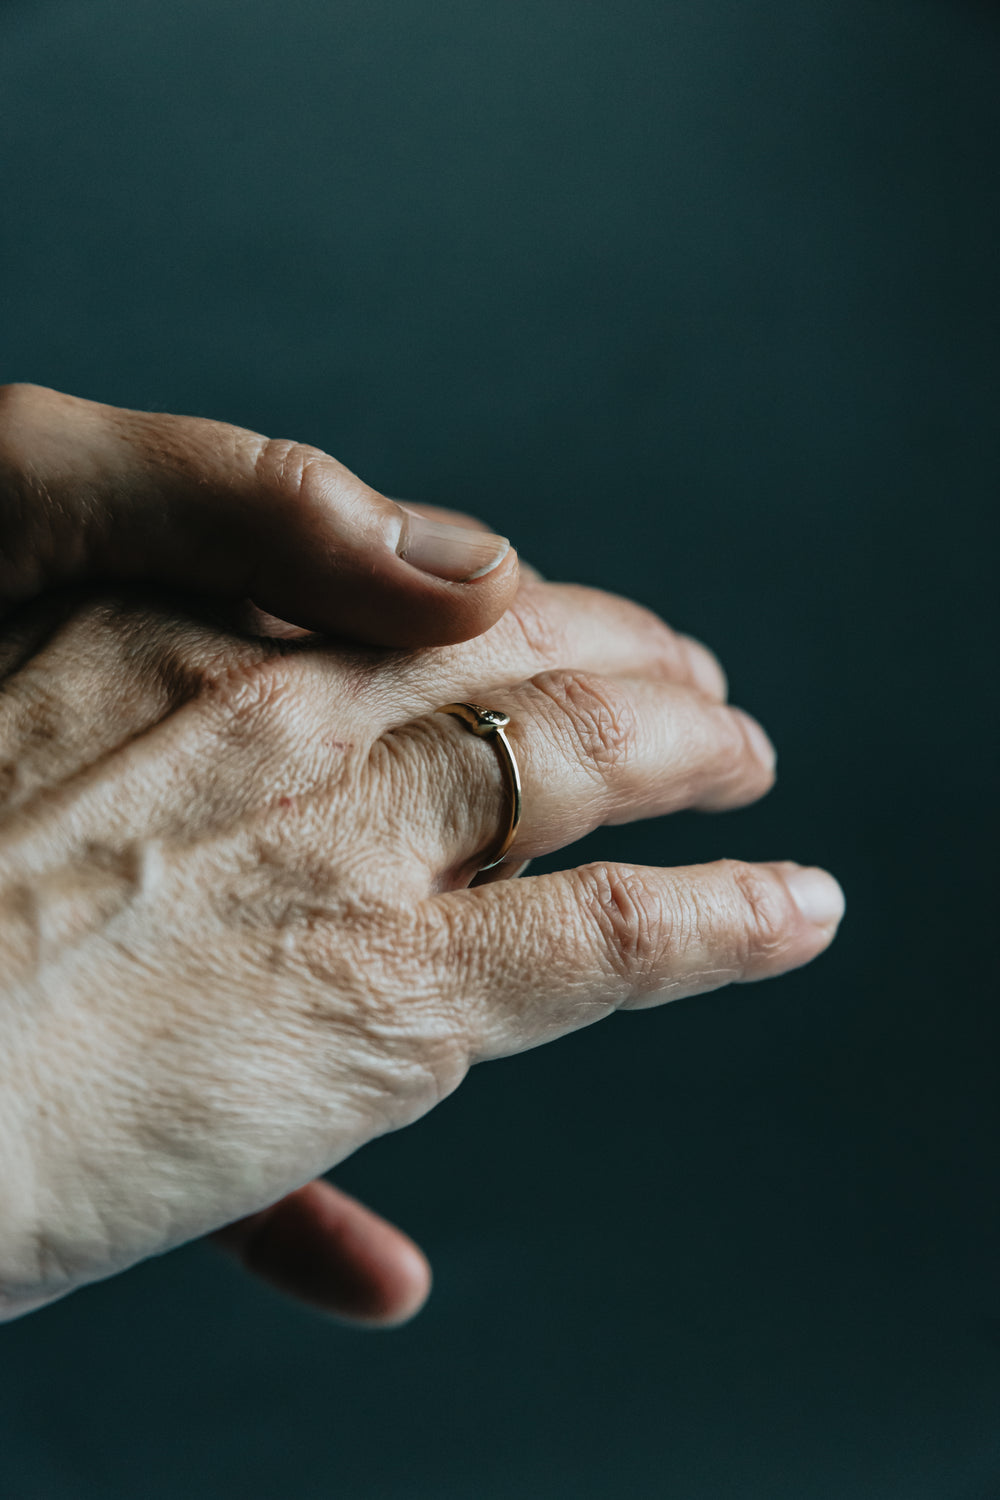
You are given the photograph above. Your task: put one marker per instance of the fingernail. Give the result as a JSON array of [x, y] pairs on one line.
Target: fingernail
[[458, 553], [817, 896]]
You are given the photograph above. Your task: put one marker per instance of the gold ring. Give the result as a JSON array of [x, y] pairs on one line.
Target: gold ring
[[489, 724]]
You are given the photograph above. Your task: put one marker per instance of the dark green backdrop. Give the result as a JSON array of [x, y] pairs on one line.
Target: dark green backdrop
[[697, 299]]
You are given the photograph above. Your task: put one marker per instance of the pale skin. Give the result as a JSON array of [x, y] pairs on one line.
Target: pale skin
[[238, 932]]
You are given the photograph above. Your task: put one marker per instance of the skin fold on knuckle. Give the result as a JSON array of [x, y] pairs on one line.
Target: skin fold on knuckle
[[103, 677], [630, 925], [376, 984], [438, 795], [299, 801], [762, 915], [594, 717], [253, 701], [410, 777], [483, 970], [538, 637], [307, 486]]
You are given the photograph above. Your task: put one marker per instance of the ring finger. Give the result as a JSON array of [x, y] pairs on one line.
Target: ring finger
[[591, 750]]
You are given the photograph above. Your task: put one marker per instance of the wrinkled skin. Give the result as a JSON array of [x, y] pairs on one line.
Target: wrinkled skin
[[238, 934], [94, 492]]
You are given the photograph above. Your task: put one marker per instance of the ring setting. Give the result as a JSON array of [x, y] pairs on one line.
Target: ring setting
[[490, 724]]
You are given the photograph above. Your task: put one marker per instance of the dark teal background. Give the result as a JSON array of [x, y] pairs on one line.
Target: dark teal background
[[698, 300]]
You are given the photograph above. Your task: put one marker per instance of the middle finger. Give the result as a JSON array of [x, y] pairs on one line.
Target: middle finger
[[549, 627]]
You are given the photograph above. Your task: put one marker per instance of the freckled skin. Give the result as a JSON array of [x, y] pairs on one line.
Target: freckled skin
[[237, 934]]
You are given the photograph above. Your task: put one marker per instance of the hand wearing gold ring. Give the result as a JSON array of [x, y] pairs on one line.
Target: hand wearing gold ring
[[491, 724], [239, 937]]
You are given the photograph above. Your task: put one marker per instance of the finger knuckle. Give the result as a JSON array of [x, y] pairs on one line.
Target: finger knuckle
[[761, 910], [298, 474], [627, 915], [141, 649], [252, 700], [410, 774], [539, 632], [594, 712], [377, 978], [185, 658]]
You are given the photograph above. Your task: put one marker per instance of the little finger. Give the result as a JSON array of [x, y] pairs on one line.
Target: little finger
[[533, 959]]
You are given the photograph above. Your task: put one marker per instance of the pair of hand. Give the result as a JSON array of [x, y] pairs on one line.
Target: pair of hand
[[238, 931]]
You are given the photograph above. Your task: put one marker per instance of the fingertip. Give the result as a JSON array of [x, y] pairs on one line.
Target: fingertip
[[402, 1295], [818, 896], [323, 1247], [419, 609], [389, 603]]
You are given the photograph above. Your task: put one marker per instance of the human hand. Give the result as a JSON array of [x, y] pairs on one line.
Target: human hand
[[238, 938], [92, 491]]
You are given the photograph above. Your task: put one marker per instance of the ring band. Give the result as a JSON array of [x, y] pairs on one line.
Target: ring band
[[489, 724]]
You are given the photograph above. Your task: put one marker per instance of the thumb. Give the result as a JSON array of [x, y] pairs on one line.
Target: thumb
[[328, 1249], [96, 492]]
